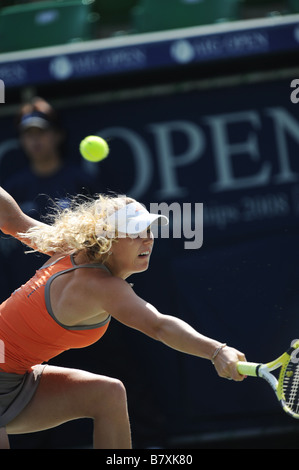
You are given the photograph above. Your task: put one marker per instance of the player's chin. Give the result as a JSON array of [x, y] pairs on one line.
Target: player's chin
[[142, 264]]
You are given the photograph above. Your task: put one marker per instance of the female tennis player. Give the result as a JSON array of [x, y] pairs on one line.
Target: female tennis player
[[94, 246]]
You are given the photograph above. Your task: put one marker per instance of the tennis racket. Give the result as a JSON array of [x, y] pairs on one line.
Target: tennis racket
[[286, 387]]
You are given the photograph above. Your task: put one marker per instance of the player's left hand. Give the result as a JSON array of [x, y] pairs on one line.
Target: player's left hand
[[226, 363]]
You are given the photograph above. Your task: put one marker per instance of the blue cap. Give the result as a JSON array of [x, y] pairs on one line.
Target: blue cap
[[34, 119]]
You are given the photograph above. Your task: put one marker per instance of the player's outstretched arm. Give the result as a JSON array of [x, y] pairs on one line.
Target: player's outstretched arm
[[117, 298], [12, 218]]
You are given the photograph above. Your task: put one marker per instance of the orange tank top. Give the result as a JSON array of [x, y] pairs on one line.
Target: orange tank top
[[29, 330]]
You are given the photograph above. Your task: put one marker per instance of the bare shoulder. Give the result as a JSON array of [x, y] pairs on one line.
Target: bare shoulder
[[88, 295], [78, 296], [98, 282], [109, 293], [90, 284], [122, 303], [106, 291]]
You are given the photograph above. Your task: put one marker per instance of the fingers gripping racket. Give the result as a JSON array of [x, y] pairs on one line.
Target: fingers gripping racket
[[286, 387]]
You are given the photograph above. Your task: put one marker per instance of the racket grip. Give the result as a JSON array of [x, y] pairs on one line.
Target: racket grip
[[248, 368]]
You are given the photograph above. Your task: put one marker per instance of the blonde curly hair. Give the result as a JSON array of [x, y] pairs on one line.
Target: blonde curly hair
[[82, 226]]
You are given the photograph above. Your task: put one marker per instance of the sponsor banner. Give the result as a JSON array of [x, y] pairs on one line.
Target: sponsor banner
[[255, 38]]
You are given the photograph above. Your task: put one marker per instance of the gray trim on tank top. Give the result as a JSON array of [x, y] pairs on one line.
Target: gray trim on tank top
[[47, 294]]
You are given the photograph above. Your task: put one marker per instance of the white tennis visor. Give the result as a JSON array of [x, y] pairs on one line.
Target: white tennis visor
[[134, 219]]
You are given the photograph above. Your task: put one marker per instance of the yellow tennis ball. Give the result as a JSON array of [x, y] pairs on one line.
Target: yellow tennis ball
[[94, 148]]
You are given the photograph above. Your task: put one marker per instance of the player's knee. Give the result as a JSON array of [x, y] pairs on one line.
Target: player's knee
[[116, 391], [111, 396]]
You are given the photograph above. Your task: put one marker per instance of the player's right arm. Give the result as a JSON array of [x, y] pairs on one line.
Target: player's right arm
[[118, 299]]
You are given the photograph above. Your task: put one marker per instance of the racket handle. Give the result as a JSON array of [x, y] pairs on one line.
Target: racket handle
[[248, 368]]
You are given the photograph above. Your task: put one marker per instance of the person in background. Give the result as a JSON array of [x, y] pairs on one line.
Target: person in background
[[50, 178], [49, 174]]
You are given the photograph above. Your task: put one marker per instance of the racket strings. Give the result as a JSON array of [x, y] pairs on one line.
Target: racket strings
[[291, 386]]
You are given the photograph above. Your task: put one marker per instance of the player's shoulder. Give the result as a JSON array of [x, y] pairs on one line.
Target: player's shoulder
[[100, 278]]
